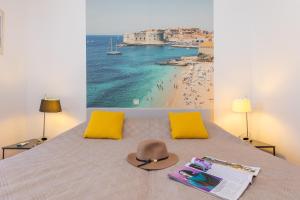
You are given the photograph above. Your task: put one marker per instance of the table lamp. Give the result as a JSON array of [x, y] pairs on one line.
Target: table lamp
[[49, 106], [242, 106]]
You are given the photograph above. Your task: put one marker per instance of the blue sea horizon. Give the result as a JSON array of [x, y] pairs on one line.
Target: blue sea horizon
[[114, 81]]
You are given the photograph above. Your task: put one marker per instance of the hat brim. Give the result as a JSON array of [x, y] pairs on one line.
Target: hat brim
[[171, 160]]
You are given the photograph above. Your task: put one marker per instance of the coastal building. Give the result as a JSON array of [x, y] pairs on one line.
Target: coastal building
[[155, 36], [193, 36], [207, 48], [170, 34], [179, 36], [151, 37]]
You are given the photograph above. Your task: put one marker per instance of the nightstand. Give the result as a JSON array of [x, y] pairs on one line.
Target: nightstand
[[31, 143], [262, 145]]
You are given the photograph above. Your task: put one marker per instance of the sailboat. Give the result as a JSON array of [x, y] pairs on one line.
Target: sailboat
[[113, 52]]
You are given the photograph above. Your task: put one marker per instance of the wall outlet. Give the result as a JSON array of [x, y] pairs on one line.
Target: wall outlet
[[136, 102]]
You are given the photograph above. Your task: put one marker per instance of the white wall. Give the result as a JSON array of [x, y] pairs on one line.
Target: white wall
[[257, 47], [44, 53], [12, 78], [276, 79], [233, 60], [56, 63]]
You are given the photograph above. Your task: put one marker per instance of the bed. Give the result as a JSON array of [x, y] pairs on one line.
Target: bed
[[71, 167]]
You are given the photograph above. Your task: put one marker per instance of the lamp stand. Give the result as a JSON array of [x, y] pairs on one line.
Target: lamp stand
[[247, 138], [44, 138]]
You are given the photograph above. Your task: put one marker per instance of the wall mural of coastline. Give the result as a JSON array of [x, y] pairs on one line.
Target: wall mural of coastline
[[143, 55]]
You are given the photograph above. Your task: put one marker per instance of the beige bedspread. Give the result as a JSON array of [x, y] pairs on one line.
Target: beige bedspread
[[70, 167]]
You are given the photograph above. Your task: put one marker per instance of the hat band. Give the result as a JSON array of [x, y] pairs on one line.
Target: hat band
[[150, 161]]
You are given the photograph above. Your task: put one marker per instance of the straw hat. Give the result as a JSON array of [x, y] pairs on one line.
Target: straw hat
[[152, 155]]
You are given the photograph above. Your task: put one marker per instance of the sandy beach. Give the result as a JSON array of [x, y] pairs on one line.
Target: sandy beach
[[193, 87], [190, 86]]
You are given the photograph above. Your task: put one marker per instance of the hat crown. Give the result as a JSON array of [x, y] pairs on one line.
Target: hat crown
[[152, 150]]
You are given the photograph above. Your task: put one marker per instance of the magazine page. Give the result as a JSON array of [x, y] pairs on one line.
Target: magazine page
[[243, 168], [196, 178], [208, 183], [234, 183], [225, 172], [217, 177]]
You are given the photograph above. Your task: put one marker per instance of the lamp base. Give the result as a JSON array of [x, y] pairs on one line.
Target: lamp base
[[44, 139], [245, 138]]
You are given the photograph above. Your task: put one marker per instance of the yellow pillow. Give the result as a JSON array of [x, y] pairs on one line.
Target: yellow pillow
[[104, 124], [187, 125]]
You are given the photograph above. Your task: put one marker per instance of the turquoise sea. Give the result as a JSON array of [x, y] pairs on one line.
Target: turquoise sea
[[114, 81]]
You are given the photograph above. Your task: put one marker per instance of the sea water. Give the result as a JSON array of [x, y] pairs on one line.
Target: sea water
[[115, 80]]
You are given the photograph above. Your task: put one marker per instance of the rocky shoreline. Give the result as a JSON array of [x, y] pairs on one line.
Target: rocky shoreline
[[188, 60]]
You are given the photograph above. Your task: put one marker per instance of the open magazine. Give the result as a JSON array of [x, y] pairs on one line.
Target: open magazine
[[217, 177]]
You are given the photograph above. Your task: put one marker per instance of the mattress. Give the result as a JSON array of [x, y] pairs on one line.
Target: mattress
[[71, 167]]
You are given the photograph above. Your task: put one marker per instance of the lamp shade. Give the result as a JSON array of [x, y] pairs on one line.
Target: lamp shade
[[50, 105], [241, 105]]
